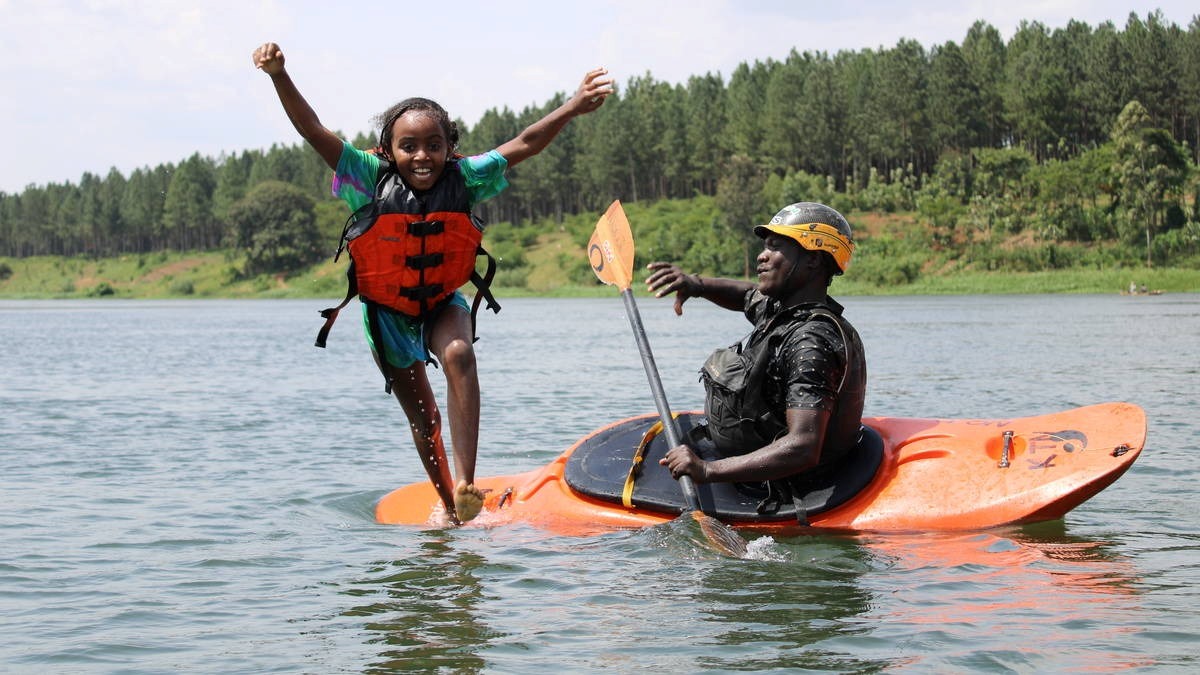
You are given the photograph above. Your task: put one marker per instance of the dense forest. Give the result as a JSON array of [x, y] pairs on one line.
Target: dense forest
[[1075, 134]]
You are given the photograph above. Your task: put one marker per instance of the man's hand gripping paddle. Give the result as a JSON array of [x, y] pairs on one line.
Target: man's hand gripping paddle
[[610, 253]]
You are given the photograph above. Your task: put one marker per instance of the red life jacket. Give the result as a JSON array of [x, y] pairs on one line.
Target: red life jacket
[[410, 252]]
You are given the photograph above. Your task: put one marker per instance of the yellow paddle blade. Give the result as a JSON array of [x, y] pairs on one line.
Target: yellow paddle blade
[[610, 250], [723, 538]]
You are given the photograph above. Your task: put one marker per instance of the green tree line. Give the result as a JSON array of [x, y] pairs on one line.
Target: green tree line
[[1076, 133]]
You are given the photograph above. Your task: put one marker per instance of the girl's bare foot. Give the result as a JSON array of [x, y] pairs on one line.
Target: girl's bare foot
[[468, 501]]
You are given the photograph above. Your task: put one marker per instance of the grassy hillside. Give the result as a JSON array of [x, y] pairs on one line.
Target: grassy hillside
[[547, 259]]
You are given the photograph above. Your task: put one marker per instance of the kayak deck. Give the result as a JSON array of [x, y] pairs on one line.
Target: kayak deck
[[933, 474]]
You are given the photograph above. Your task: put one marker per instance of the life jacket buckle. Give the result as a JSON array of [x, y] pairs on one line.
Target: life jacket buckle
[[418, 293], [424, 261], [425, 228]]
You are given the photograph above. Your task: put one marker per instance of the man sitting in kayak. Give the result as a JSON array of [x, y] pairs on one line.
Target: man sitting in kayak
[[788, 398]]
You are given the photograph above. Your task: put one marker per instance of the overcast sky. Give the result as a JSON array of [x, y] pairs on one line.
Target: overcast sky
[[88, 85]]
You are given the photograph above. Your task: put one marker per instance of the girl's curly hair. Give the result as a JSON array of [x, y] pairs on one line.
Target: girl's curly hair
[[388, 118]]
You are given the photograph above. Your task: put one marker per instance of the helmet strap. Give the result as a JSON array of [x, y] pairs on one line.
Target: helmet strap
[[788, 278], [804, 256]]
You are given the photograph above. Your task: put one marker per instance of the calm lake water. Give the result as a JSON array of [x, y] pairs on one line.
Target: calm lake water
[[189, 486]]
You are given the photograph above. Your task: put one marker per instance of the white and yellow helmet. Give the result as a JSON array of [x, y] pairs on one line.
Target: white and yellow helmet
[[816, 227]]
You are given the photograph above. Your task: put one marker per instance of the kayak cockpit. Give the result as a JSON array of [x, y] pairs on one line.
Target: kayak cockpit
[[619, 464]]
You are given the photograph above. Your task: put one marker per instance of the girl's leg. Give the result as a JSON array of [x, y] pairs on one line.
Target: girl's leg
[[451, 342], [411, 388]]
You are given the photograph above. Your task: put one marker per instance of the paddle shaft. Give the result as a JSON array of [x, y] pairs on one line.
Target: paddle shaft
[[660, 396]]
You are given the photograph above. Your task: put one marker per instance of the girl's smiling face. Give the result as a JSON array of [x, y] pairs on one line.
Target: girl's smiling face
[[419, 149]]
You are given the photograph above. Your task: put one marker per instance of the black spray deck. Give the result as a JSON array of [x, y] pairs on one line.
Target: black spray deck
[[600, 465]]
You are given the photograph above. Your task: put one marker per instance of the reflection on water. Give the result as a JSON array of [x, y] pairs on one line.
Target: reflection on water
[[428, 613], [1034, 592], [807, 596]]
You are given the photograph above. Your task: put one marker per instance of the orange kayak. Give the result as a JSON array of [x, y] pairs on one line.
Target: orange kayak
[[907, 474]]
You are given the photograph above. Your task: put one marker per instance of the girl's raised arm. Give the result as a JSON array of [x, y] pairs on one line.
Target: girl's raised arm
[[591, 94], [269, 59]]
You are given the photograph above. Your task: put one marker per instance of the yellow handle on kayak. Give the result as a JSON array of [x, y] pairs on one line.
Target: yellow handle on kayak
[[638, 457]]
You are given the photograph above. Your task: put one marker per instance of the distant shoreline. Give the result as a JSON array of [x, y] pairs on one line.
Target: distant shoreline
[[214, 275]]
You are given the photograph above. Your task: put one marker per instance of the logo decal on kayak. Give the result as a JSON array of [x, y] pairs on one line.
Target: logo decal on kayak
[[1050, 443], [1067, 440], [1044, 464]]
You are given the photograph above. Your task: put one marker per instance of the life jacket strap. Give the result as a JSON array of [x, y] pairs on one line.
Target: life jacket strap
[[331, 313], [778, 492], [425, 228], [422, 293], [424, 261], [362, 211], [483, 286]]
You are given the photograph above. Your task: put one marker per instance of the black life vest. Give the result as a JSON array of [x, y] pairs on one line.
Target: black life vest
[[740, 419], [410, 252]]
